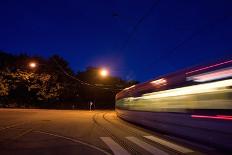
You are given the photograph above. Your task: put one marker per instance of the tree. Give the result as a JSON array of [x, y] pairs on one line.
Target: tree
[[101, 90], [4, 86], [6, 60], [53, 83]]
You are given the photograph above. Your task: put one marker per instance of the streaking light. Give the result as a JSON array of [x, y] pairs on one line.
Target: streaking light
[[214, 75], [223, 117], [196, 89], [159, 82], [129, 87], [215, 65]]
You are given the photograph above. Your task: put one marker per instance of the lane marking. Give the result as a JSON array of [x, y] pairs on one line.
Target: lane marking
[[23, 133], [169, 144], [115, 147], [9, 140], [204, 147], [146, 146], [11, 126], [75, 141]]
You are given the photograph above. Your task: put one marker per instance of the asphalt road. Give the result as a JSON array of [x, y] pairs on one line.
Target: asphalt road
[[59, 132]]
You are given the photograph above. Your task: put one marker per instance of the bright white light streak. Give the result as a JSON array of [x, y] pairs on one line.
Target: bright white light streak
[[214, 75], [196, 89], [159, 82], [129, 87]]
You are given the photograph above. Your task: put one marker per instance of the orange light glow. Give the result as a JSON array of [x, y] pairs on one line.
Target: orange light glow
[[32, 65], [104, 72]]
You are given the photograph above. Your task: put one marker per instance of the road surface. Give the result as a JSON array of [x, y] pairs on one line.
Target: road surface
[[59, 132]]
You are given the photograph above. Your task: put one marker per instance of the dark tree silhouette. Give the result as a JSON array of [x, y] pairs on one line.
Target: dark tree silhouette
[[53, 84]]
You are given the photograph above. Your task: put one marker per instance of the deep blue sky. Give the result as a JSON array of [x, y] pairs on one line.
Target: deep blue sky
[[174, 35]]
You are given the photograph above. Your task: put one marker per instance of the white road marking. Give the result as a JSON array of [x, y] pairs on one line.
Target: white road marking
[[169, 144], [115, 147], [146, 146], [11, 126], [75, 141], [23, 133], [204, 147]]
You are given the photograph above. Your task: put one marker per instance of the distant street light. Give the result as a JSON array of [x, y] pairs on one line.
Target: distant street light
[[32, 64], [104, 72]]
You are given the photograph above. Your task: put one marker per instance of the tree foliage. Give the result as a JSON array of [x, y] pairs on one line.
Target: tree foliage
[[54, 84], [4, 86]]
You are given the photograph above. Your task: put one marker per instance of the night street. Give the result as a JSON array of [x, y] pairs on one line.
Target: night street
[[115, 77], [82, 132]]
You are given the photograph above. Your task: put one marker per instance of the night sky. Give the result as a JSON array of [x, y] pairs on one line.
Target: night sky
[[135, 39]]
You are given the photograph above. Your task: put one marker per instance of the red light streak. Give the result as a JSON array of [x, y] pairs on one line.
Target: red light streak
[[215, 65], [223, 117]]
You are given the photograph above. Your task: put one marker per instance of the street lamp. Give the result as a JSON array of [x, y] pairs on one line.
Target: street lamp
[[32, 64], [104, 72]]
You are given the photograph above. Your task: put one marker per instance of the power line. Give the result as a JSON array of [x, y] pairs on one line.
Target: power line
[[136, 26], [197, 32], [80, 81]]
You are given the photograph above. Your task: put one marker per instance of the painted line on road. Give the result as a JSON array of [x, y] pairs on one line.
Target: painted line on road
[[190, 143], [169, 144], [75, 141], [151, 149], [11, 126], [115, 147], [23, 133]]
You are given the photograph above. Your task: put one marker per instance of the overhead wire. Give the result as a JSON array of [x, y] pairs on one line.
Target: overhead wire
[[80, 81], [138, 23], [136, 26], [131, 34], [190, 37], [172, 51]]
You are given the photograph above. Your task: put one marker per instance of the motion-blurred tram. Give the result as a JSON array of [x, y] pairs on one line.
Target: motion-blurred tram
[[194, 103]]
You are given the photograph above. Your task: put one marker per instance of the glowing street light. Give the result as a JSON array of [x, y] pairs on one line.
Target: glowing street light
[[104, 72], [32, 64]]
